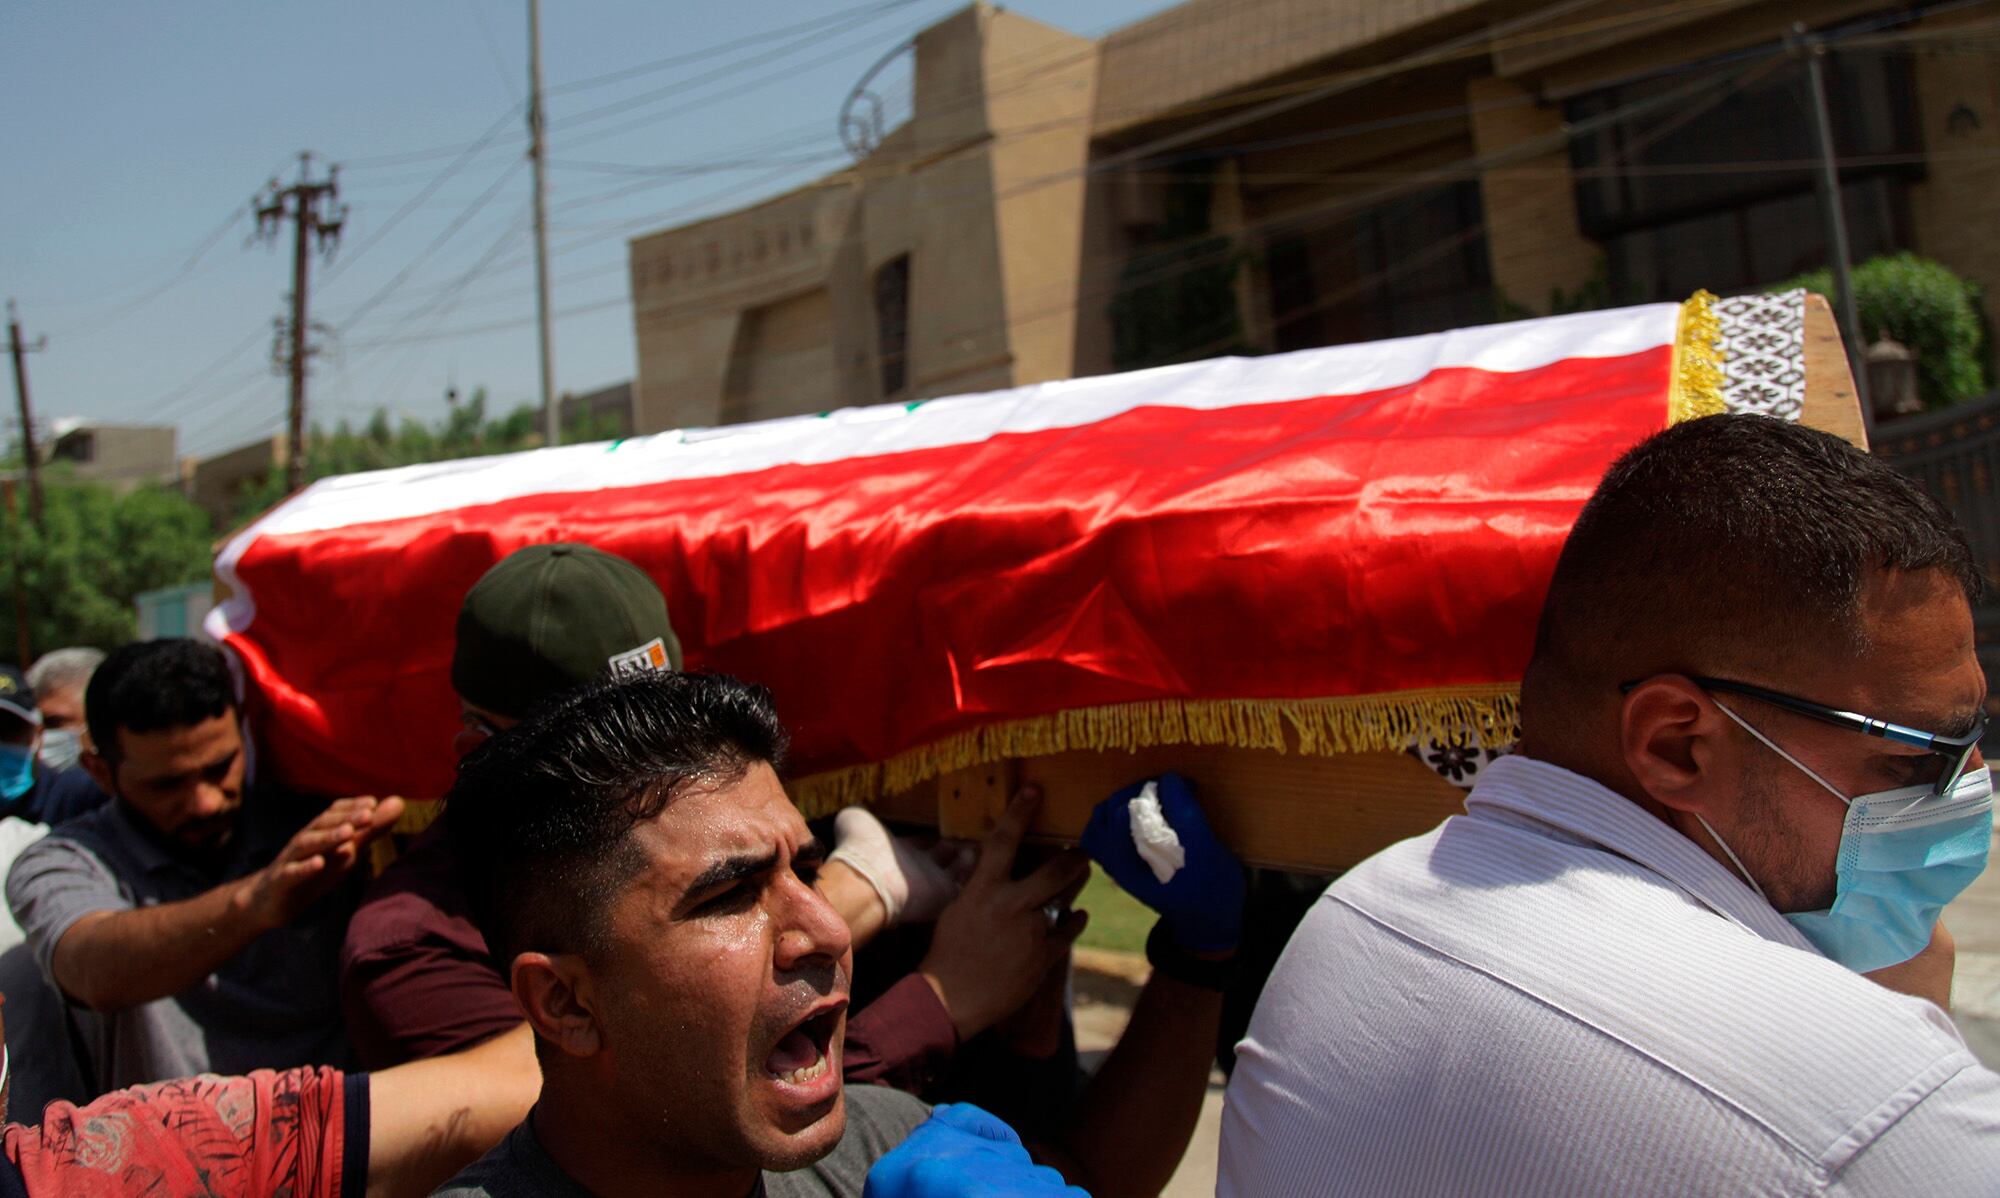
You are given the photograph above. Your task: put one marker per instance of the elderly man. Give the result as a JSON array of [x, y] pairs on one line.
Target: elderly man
[[31, 789], [189, 928], [637, 867], [1650, 957], [58, 680]]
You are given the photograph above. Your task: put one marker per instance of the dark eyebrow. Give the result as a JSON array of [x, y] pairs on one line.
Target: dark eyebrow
[[810, 853], [732, 869]]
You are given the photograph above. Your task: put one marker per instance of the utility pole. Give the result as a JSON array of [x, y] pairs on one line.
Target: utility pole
[[315, 213], [24, 653], [537, 155], [31, 461], [1813, 50]]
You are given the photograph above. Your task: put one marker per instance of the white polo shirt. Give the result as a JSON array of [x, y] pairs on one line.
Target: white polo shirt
[[1556, 993]]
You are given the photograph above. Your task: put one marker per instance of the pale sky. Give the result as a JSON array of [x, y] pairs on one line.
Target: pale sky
[[134, 130]]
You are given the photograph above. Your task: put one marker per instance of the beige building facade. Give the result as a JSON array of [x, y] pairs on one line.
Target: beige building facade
[[1260, 175]]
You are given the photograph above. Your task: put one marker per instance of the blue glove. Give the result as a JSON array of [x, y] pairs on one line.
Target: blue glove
[[962, 1152], [1203, 903]]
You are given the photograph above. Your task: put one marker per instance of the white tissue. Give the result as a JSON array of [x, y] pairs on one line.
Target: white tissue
[[1153, 836]]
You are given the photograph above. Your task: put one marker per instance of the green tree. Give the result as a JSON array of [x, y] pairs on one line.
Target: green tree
[[465, 432], [95, 551], [1925, 306]]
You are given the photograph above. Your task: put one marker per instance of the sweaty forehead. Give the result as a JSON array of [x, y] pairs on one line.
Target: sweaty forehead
[[711, 821]]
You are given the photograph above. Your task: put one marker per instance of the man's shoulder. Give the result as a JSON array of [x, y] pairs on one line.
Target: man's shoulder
[[882, 1116], [90, 843], [1593, 960], [516, 1166], [416, 900]]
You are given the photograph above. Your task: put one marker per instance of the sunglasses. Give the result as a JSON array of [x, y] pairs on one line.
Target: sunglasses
[[1955, 751]]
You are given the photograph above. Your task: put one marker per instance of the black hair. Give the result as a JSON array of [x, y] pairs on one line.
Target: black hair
[[1723, 544], [540, 816], [149, 686]]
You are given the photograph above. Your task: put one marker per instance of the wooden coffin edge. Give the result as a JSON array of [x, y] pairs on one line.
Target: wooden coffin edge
[[1309, 813]]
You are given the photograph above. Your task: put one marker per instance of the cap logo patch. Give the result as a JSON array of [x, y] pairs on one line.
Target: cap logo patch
[[650, 656]]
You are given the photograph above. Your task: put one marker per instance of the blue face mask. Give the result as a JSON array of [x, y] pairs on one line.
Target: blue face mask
[[1904, 854], [17, 771]]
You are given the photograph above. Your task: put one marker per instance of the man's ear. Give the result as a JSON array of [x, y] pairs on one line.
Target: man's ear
[[1674, 741], [99, 769], [557, 994]]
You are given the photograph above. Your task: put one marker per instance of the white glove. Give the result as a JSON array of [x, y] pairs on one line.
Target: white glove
[[913, 883]]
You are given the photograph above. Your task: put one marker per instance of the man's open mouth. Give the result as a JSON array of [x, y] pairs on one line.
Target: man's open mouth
[[804, 1054]]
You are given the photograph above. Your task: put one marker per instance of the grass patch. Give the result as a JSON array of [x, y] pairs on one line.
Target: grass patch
[[1118, 921]]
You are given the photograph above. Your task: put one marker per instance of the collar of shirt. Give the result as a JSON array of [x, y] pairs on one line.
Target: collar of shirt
[[1593, 812]]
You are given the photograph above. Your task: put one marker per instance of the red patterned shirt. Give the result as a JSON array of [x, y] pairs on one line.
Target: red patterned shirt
[[302, 1133]]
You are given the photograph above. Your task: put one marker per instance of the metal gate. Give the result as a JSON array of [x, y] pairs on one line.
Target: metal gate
[[1955, 455]]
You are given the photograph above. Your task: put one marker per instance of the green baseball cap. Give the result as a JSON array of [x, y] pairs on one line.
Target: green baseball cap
[[550, 617]]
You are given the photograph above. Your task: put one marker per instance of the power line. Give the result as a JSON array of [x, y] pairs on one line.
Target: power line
[[429, 190], [387, 289]]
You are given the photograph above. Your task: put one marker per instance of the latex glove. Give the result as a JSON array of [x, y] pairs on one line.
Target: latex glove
[[962, 1151], [913, 883], [1203, 903]]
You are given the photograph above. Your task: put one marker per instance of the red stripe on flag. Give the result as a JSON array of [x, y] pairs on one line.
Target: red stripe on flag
[[1341, 545]]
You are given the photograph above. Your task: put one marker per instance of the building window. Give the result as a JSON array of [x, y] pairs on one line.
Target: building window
[[1415, 264], [76, 447], [892, 324], [1718, 191]]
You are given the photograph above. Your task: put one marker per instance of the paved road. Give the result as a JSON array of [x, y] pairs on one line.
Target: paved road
[[1974, 921]]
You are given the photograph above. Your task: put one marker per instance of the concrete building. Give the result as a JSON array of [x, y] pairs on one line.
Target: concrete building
[[1258, 175], [216, 483], [121, 456], [605, 412]]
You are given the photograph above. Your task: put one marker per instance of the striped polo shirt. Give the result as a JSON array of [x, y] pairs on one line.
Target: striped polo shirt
[[1557, 993]]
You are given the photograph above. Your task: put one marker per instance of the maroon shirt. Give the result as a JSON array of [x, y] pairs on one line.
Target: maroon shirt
[[415, 977], [416, 981]]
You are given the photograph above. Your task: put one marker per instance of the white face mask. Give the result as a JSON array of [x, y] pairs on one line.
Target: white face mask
[[61, 747], [1904, 854]]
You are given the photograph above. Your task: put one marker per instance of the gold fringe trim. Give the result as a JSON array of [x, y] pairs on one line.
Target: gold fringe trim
[[418, 814], [1321, 727], [1696, 387]]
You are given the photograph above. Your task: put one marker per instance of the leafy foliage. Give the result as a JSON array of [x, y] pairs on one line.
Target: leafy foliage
[[95, 551], [1926, 307], [465, 432], [1176, 297]]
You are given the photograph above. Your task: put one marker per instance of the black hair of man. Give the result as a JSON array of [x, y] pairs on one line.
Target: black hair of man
[[151, 686], [541, 815], [1730, 546]]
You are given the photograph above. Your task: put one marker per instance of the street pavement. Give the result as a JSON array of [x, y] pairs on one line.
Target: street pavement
[[1974, 921]]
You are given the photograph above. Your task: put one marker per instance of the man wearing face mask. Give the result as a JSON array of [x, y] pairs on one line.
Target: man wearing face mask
[[191, 926], [33, 788], [58, 680], [1686, 941]]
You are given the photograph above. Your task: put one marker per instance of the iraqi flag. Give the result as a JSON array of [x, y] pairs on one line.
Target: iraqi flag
[[1329, 550]]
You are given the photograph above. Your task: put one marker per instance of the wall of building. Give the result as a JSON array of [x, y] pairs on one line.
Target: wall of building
[[1011, 192], [1528, 194], [214, 483], [1958, 109], [120, 456]]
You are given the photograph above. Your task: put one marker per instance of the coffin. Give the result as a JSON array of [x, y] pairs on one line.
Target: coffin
[[1310, 580]]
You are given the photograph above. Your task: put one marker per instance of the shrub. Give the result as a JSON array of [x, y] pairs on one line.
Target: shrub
[[1926, 307]]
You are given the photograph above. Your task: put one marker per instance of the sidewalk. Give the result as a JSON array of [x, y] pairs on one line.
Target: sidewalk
[[1974, 921], [1107, 984]]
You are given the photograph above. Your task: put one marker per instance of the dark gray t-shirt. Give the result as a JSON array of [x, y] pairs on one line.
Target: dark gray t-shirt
[[878, 1119], [273, 1006]]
